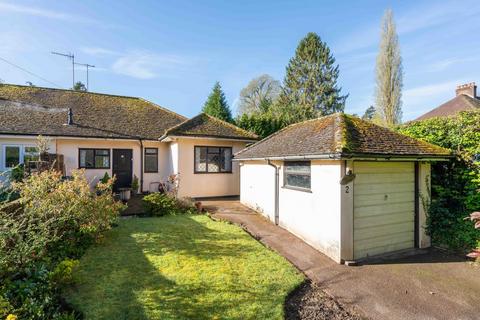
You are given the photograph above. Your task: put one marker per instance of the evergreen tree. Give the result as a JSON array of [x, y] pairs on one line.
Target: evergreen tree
[[389, 82], [79, 86], [369, 113], [310, 85], [216, 104]]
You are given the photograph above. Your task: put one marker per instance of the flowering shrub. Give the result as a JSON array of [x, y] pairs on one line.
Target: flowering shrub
[[54, 219]]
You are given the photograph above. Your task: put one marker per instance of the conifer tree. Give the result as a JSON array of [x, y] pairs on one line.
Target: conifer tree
[[310, 84], [216, 104]]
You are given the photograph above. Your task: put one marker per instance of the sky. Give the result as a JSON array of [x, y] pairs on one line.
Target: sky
[[173, 52]]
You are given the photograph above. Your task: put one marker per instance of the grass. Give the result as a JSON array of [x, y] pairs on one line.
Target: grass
[[181, 267]]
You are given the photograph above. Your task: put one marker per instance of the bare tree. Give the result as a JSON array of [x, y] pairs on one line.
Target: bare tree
[[389, 78], [258, 95]]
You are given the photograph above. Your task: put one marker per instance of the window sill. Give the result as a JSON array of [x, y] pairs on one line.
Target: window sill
[[298, 189]]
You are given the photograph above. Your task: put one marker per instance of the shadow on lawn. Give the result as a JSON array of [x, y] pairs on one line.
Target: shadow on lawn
[[121, 279]]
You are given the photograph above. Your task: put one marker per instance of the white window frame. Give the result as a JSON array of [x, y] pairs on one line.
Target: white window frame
[[21, 153]]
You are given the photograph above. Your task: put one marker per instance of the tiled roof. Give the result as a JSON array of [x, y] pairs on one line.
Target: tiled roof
[[204, 125], [338, 136], [36, 110], [452, 107]]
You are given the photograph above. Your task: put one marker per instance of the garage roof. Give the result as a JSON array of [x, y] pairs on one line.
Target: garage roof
[[339, 136]]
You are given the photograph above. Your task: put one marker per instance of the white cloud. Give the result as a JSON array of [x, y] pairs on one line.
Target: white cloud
[[147, 65], [13, 8], [444, 64], [99, 51]]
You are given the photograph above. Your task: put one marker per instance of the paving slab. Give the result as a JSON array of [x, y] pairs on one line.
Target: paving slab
[[431, 284]]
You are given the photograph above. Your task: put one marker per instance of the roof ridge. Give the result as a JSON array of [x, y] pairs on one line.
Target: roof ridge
[[177, 126], [160, 107], [469, 99], [281, 130], [69, 90], [230, 124]]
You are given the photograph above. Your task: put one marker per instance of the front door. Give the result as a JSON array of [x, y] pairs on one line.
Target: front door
[[122, 168]]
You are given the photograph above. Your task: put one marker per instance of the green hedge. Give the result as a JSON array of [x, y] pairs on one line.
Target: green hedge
[[455, 184]]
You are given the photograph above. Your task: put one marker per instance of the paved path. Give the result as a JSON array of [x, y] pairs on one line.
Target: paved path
[[432, 285]]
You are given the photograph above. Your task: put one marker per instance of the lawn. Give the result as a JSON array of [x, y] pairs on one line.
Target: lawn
[[181, 267]]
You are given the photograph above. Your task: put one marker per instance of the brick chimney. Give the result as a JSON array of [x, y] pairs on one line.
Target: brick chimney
[[469, 89]]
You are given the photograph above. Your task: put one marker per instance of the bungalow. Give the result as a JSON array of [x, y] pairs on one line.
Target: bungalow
[[348, 187], [123, 136]]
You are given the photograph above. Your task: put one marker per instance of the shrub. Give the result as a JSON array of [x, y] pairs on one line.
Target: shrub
[[262, 124], [63, 272], [455, 184], [161, 204], [55, 219]]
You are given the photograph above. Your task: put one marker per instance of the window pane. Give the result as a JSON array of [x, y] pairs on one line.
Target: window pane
[[102, 161], [86, 158], [201, 159], [101, 152], [297, 174], [151, 160], [213, 162], [298, 180], [297, 167], [151, 150], [213, 150], [12, 156], [30, 154], [226, 160]]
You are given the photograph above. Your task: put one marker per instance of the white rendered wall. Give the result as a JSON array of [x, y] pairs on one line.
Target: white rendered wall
[[205, 184], [313, 216], [257, 187]]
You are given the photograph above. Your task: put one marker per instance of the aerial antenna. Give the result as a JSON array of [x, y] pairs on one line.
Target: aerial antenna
[[70, 56], [88, 66]]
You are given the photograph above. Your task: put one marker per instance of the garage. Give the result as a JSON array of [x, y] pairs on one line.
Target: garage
[[384, 207], [347, 187]]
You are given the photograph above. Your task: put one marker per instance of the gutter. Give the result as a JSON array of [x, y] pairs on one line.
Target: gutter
[[337, 156], [277, 182]]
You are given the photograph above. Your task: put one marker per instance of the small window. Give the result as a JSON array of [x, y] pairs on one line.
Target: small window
[[151, 159], [213, 159], [12, 156], [94, 158], [297, 174]]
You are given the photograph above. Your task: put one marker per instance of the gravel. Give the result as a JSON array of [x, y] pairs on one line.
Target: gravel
[[309, 302]]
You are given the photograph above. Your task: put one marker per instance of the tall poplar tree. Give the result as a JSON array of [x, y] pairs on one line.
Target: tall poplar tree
[[216, 104], [389, 74], [310, 86]]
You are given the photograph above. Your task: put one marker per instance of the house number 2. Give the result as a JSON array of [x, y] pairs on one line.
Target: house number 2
[[347, 189]]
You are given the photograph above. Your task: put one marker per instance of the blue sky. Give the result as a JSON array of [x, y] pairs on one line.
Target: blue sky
[[173, 52]]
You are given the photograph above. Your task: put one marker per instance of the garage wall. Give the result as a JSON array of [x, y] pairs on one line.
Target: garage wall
[[312, 216], [257, 187], [315, 216]]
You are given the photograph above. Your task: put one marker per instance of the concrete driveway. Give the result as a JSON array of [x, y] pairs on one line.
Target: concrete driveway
[[428, 285]]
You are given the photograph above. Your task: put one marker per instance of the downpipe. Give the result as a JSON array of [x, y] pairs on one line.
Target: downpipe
[[277, 182]]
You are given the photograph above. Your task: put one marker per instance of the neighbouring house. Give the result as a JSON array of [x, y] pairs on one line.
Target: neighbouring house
[[466, 99], [123, 136], [348, 187]]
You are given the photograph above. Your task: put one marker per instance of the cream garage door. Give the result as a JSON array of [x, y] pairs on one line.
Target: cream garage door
[[384, 207]]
